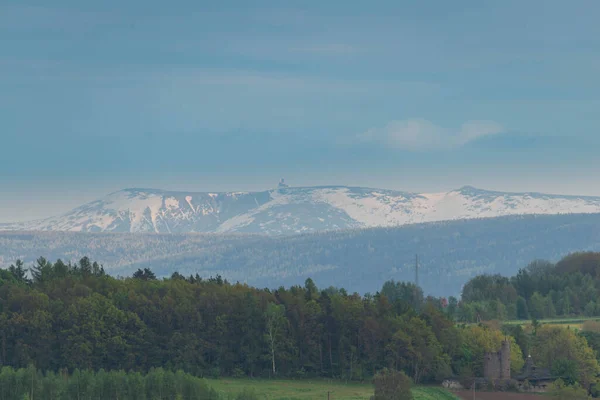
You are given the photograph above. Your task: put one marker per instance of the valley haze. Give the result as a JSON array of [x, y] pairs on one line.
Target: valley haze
[[353, 237], [360, 260]]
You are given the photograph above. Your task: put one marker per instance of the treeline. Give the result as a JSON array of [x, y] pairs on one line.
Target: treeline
[[359, 260], [157, 384], [74, 317], [570, 287]]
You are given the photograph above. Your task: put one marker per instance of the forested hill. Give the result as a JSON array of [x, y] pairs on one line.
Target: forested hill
[[74, 316], [571, 287], [450, 253]]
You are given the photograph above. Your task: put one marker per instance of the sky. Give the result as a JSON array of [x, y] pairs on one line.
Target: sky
[[233, 95]]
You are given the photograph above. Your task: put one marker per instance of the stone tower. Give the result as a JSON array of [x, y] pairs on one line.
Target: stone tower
[[505, 360], [497, 365]]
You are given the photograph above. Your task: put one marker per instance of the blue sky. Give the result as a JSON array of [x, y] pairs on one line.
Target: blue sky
[[195, 95]]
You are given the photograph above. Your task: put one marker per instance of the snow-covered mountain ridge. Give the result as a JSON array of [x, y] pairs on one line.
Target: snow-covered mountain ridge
[[296, 209]]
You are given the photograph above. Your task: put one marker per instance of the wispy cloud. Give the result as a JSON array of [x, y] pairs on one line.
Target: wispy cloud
[[423, 135]]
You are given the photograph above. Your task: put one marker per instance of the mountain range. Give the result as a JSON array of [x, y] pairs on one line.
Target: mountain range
[[291, 210]]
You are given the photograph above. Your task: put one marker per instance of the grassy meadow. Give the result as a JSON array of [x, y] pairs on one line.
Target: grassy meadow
[[573, 323], [313, 389]]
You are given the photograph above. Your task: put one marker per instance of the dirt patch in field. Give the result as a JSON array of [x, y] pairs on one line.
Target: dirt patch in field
[[497, 396]]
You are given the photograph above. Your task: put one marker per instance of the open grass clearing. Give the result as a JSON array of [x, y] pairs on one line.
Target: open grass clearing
[[500, 396], [574, 323], [314, 389]]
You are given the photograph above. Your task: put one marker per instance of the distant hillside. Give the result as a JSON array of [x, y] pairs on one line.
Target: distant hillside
[[292, 210], [359, 260]]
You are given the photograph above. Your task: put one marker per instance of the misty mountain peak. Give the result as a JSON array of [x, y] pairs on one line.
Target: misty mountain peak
[[286, 209]]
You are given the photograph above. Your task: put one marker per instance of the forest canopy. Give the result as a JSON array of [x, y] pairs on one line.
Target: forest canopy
[[70, 317], [541, 290]]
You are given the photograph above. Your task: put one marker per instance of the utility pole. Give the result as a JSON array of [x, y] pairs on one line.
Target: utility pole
[[474, 378], [417, 270], [416, 294], [32, 376]]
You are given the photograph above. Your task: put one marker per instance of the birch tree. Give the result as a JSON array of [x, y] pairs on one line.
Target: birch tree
[[275, 322]]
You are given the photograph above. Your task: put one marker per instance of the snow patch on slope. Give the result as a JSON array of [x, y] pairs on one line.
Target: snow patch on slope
[[296, 210], [245, 219]]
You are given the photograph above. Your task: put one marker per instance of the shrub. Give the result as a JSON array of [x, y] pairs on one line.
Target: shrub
[[215, 372], [560, 391], [392, 385], [238, 373]]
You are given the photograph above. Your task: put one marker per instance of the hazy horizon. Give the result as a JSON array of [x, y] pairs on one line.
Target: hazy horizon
[[96, 97]]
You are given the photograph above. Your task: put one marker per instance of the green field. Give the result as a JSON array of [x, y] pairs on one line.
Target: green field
[[313, 389], [432, 393], [575, 323]]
